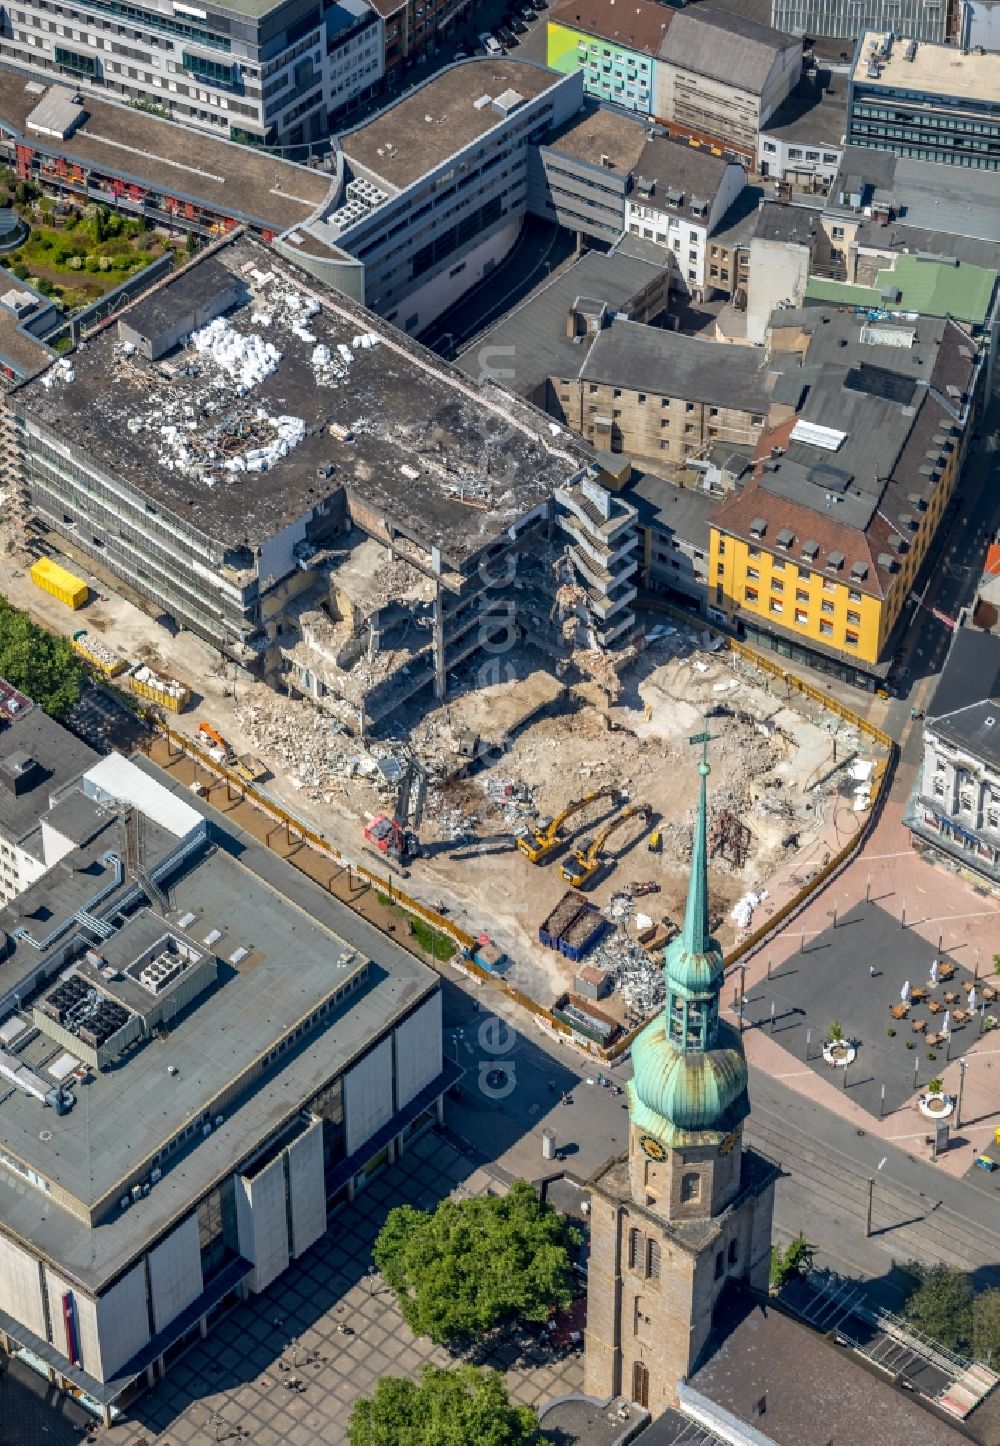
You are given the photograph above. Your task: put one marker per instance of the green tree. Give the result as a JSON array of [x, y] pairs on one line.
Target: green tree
[[462, 1406], [940, 1305], [40, 664], [461, 1269], [986, 1327], [794, 1261]]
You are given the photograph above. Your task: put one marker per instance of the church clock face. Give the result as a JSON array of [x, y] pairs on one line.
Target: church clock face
[[728, 1142], [652, 1147]]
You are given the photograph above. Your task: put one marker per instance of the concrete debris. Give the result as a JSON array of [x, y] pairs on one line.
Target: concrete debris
[[637, 976], [742, 911]]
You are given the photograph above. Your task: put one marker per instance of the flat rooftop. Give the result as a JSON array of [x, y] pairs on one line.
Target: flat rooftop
[[933, 288], [59, 757], [815, 113], [949, 200], [441, 117], [188, 165], [20, 304], [129, 1113], [934, 69], [596, 132], [358, 405]]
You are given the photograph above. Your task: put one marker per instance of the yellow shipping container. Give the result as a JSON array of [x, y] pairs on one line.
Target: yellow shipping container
[[166, 692], [71, 590]]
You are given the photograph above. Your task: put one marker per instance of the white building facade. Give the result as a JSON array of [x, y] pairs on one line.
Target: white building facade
[[683, 223]]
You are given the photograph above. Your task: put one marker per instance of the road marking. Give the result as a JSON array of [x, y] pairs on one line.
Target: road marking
[[795, 1074]]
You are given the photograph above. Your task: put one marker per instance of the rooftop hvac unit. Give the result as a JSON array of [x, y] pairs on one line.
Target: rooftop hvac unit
[[155, 1175], [124, 1202], [136, 1192], [206, 1128], [218, 1121]]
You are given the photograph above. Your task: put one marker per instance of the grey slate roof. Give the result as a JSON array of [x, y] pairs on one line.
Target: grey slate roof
[[665, 506], [724, 47], [61, 756], [815, 113], [627, 354], [949, 200], [793, 224], [966, 705], [676, 166], [530, 343], [757, 1354]]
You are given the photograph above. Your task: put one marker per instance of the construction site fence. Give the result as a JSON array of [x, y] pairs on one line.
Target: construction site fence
[[881, 777], [295, 828]]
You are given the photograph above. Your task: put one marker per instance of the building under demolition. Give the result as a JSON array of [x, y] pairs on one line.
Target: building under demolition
[[267, 464]]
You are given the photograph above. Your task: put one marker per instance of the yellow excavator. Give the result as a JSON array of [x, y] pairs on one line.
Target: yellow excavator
[[545, 834], [584, 861]]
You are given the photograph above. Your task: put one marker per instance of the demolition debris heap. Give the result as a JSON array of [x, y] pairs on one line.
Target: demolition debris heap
[[244, 448]]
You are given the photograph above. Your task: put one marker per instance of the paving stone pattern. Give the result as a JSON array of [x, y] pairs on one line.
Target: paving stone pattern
[[229, 1387]]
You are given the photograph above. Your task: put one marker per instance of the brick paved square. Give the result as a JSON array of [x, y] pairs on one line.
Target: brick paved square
[[235, 1374], [830, 980]]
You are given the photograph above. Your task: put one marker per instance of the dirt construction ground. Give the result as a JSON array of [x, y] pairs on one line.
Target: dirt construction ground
[[782, 795]]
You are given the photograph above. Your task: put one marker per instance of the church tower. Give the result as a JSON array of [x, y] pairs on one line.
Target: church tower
[[688, 1208]]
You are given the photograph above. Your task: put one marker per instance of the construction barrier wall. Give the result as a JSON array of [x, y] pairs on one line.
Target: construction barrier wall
[[881, 777]]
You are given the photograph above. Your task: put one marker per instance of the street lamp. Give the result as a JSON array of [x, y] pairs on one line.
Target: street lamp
[[963, 1065], [871, 1195]]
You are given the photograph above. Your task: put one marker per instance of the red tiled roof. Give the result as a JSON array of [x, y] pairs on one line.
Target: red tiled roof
[[635, 24], [736, 512]]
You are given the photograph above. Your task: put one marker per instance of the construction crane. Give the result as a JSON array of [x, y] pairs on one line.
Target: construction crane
[[584, 862], [545, 834], [395, 836]]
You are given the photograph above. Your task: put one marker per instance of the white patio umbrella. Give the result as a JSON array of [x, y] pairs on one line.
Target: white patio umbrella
[[904, 993]]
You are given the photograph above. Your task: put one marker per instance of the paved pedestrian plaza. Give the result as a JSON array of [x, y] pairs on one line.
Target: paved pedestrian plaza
[[231, 1385], [828, 978]]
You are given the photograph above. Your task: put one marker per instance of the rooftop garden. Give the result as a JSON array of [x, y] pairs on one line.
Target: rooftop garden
[[75, 254]]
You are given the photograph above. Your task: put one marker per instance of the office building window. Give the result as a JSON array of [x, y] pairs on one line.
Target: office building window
[[217, 1235]]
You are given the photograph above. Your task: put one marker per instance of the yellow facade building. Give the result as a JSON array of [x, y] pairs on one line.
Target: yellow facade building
[[817, 554]]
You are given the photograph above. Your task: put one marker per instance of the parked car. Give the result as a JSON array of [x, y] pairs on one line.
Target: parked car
[[540, 6], [515, 23], [506, 36], [491, 45], [528, 12]]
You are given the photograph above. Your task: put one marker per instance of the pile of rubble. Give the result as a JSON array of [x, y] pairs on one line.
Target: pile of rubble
[[637, 974]]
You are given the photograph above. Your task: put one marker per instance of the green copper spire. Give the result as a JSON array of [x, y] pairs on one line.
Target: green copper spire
[[695, 933], [689, 1070]]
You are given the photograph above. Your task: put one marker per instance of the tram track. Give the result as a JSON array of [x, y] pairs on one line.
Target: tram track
[[918, 1225]]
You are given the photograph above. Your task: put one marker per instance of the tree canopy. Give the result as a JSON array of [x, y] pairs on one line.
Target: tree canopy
[[41, 665], [941, 1305], [462, 1406], [461, 1269], [986, 1327], [794, 1261]]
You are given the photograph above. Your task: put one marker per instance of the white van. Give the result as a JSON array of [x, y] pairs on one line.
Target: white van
[[491, 45]]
